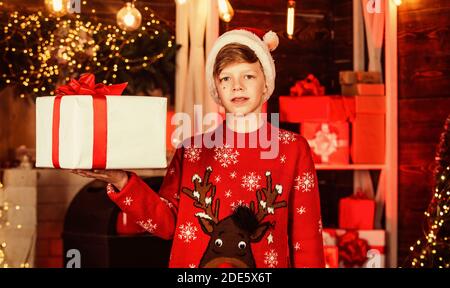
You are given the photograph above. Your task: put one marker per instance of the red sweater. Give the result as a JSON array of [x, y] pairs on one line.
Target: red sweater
[[200, 204]]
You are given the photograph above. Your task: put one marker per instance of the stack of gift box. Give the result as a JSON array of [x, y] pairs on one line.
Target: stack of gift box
[[355, 243], [345, 129], [341, 129], [368, 127]]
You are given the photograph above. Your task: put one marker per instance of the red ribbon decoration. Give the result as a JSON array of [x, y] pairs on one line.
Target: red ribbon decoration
[[352, 249], [86, 86], [360, 195]]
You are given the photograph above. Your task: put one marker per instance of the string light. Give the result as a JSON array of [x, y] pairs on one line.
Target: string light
[[290, 19], [67, 45], [4, 208], [129, 18], [226, 12]]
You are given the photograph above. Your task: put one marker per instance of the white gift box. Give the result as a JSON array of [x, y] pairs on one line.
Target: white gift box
[[136, 132], [376, 239]]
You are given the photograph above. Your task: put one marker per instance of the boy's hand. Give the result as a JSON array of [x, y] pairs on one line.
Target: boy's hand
[[118, 178]]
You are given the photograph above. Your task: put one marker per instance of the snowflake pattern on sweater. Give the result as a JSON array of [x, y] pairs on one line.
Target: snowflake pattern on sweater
[[207, 193]]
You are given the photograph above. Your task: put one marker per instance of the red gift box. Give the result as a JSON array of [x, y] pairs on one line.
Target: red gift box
[[357, 77], [356, 212], [329, 141], [368, 130], [362, 89], [316, 108]]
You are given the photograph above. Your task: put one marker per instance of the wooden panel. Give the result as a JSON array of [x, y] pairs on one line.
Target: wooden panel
[[424, 85], [424, 110], [410, 6], [294, 67], [342, 9], [420, 125], [424, 53], [341, 50], [318, 6], [17, 123], [309, 33]]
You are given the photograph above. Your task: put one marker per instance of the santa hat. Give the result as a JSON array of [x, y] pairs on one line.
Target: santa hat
[[260, 42]]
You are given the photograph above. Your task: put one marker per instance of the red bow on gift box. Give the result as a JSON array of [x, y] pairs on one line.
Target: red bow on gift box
[[360, 195], [352, 249], [85, 85], [308, 86]]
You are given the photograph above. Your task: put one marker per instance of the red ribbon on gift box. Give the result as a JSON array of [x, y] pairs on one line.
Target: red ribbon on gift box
[[85, 85], [360, 195], [352, 249], [308, 86]]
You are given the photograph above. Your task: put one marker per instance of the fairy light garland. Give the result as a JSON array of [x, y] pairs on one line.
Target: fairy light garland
[[39, 52], [3, 223], [5, 206], [434, 249]]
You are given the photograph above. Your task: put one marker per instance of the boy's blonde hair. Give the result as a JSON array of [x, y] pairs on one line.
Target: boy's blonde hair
[[233, 53]]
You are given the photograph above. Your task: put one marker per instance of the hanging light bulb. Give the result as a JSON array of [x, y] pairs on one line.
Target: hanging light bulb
[[180, 2], [57, 7], [398, 2], [290, 19], [129, 18], [226, 12]]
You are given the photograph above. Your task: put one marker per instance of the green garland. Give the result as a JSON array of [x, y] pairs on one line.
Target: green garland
[[39, 52]]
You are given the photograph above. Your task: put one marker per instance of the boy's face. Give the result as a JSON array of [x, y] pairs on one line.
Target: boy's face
[[241, 88]]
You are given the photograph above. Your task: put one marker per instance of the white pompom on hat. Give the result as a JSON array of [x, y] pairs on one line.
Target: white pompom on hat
[[260, 42]]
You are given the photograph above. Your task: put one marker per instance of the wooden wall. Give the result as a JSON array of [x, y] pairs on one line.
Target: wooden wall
[[17, 123], [424, 103]]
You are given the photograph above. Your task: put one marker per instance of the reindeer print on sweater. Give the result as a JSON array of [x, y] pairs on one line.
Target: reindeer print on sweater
[[231, 237]]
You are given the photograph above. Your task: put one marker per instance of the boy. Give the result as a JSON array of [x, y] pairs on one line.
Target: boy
[[227, 206]]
